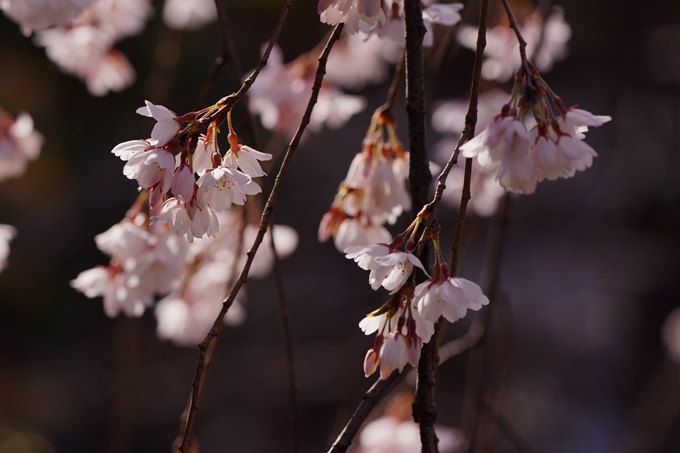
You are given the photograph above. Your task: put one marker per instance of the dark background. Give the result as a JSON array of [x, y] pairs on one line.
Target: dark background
[[588, 274]]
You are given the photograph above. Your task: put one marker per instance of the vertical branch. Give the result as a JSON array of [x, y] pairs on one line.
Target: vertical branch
[[287, 346], [264, 224], [424, 408]]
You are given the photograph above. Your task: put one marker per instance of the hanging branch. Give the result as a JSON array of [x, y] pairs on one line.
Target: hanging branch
[[287, 346], [264, 222], [368, 402]]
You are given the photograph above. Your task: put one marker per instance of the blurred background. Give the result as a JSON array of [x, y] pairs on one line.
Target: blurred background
[[588, 274]]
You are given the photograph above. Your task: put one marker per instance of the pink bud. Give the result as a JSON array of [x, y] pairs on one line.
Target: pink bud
[[371, 362], [183, 183]]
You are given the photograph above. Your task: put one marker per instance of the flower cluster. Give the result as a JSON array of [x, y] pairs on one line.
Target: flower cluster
[[84, 47], [188, 14], [281, 92], [407, 320], [373, 192], [149, 262], [553, 148], [501, 55], [171, 160], [385, 18]]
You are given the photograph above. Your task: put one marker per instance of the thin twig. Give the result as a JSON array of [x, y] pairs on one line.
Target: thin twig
[[287, 345], [520, 38], [264, 224], [470, 119], [394, 86], [184, 417], [368, 402]]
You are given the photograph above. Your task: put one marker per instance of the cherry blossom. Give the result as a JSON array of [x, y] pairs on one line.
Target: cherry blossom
[[433, 13], [451, 298], [7, 233], [357, 15], [280, 94], [83, 48], [359, 59], [33, 15], [19, 144], [501, 55], [167, 124], [189, 14], [152, 167], [387, 268]]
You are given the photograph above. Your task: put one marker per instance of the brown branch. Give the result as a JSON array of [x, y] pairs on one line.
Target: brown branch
[[368, 402], [184, 417], [520, 38], [287, 346], [394, 86], [470, 119], [264, 221]]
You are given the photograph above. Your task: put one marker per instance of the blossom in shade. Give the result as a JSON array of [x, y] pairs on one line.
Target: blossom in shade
[[394, 27], [189, 14], [359, 59], [357, 231], [7, 233], [281, 92], [450, 297], [501, 55], [247, 160], [33, 15], [84, 46], [357, 15], [19, 144]]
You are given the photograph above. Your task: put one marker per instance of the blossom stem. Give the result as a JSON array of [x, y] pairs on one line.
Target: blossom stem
[[265, 219]]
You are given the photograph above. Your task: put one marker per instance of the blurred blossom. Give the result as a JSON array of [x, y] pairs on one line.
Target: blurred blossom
[[394, 28], [449, 118], [84, 47], [33, 15], [359, 59], [501, 55], [671, 334], [396, 432], [281, 93], [188, 14], [19, 143], [148, 261], [7, 233]]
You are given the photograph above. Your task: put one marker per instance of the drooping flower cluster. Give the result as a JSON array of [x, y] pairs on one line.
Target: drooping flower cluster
[[406, 320], [149, 262], [373, 192], [281, 92], [553, 148], [171, 160], [501, 55], [449, 118], [84, 47], [385, 18]]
